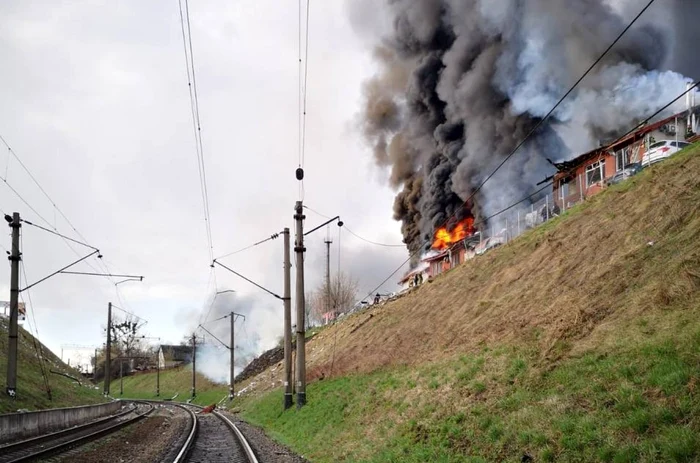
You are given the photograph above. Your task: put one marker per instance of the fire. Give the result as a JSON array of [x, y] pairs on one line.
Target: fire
[[444, 238]]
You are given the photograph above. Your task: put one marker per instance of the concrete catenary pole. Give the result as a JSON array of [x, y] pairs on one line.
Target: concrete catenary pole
[[300, 305], [15, 257], [328, 275], [232, 376], [158, 376], [108, 350], [194, 365], [287, 323]]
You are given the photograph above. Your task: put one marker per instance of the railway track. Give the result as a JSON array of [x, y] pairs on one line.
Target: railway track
[[58, 442], [212, 437]]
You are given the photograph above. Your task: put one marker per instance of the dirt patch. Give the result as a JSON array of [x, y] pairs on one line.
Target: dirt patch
[[152, 439]]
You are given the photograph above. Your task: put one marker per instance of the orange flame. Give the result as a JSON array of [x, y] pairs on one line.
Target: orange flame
[[444, 239]]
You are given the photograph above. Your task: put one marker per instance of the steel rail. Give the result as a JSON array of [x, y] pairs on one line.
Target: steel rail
[[82, 439], [240, 438], [239, 435], [52, 435], [182, 454]]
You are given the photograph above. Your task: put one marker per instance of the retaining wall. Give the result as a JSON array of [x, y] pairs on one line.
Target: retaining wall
[[19, 426]]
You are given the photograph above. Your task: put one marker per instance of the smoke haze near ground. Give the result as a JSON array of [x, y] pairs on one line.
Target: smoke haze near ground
[[461, 82], [258, 332]]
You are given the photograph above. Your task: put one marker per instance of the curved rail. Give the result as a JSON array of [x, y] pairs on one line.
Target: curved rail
[[184, 450], [22, 453], [8, 448], [239, 435]]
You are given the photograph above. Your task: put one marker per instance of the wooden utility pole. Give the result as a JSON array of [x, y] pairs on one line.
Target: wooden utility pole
[[287, 297], [108, 350], [299, 249], [15, 257]]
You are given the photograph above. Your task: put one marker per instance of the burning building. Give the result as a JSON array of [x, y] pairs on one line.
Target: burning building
[[461, 83]]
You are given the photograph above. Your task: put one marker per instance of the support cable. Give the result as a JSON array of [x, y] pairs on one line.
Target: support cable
[[248, 280]]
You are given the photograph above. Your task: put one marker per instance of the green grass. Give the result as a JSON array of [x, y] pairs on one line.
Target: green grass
[[591, 351], [637, 403], [173, 381], [31, 390]]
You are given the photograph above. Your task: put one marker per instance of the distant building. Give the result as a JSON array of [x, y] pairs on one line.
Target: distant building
[[173, 356], [586, 174]]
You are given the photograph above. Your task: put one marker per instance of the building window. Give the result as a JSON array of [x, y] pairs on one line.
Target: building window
[[595, 173], [621, 160]]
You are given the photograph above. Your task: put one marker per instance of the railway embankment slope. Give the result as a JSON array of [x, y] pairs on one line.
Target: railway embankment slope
[[579, 341]]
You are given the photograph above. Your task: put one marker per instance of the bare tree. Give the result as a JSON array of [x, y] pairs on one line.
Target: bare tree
[[337, 299]]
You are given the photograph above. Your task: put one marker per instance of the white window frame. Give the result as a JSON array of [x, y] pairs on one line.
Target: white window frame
[[621, 160], [598, 165]]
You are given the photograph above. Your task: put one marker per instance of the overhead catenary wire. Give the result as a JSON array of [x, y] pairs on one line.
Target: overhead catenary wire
[[485, 220], [196, 120], [48, 197], [355, 234], [39, 350], [537, 126], [270, 238], [302, 89], [59, 234], [541, 122]]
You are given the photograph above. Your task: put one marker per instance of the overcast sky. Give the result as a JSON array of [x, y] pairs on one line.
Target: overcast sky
[[95, 103]]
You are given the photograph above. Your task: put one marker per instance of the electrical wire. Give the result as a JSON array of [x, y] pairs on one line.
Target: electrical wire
[[58, 234], [529, 134], [196, 121], [355, 234], [129, 313], [272, 237], [39, 350], [48, 197], [541, 122]]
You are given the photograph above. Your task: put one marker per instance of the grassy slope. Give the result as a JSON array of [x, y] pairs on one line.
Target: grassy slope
[[579, 341], [175, 381], [30, 384]]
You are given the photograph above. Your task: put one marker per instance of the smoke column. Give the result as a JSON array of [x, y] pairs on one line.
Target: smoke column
[[461, 82], [259, 332]]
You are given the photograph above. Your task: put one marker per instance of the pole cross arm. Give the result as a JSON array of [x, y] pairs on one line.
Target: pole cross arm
[[214, 336], [247, 279], [60, 271], [340, 224]]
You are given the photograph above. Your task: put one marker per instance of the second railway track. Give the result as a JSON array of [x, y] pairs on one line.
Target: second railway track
[[57, 442]]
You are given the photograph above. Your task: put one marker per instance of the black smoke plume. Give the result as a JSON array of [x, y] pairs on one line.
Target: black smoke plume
[[461, 83]]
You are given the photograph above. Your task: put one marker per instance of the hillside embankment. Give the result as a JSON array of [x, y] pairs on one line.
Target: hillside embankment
[[579, 341], [32, 389]]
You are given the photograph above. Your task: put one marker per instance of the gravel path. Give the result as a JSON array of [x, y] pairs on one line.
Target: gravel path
[[150, 440], [267, 450]]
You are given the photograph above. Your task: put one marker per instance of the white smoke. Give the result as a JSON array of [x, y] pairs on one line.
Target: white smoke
[[258, 327]]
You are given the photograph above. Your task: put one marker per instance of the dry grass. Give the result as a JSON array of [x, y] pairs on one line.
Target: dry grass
[[558, 289], [577, 342]]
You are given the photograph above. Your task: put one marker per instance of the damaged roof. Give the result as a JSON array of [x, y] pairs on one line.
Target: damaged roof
[[621, 142]]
